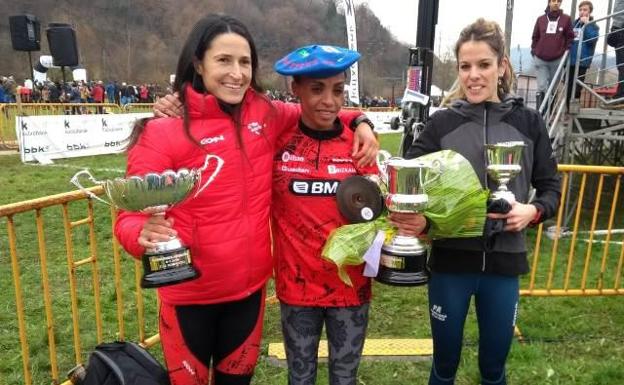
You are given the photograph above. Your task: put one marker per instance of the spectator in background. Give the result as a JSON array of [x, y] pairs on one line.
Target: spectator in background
[[124, 94], [83, 89], [98, 95], [110, 92], [588, 46], [73, 95], [117, 93], [552, 36], [143, 94], [2, 93], [55, 92], [10, 90], [616, 40]]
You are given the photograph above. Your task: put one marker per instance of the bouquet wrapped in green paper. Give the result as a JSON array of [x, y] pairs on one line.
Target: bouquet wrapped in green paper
[[457, 202], [456, 209]]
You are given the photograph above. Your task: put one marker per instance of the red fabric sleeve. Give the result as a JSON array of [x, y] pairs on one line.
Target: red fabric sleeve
[[287, 116], [347, 116]]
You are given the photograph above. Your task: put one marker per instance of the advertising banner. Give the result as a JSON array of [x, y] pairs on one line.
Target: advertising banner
[[354, 86], [42, 138]]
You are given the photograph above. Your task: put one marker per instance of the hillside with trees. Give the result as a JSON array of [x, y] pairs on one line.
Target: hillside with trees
[[139, 40]]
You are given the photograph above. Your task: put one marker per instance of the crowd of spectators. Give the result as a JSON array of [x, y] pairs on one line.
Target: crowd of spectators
[[117, 93], [78, 92], [375, 101]]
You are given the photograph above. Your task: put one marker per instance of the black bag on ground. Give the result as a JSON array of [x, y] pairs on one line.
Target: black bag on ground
[[124, 363]]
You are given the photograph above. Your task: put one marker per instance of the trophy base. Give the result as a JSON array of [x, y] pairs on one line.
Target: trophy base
[[503, 194], [167, 268], [401, 278], [403, 262]]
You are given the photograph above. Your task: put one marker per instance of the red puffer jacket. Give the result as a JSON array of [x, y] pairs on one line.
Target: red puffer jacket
[[227, 225]]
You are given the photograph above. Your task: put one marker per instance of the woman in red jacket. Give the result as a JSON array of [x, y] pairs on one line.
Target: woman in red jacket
[[215, 319]]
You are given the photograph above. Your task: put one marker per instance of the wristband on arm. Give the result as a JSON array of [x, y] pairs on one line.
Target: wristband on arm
[[361, 119], [538, 216]]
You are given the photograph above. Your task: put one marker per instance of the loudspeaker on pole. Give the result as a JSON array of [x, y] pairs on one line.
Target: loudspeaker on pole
[[25, 32], [63, 45]]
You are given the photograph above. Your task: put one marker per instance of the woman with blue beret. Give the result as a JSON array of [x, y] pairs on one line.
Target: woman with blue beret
[[308, 165]]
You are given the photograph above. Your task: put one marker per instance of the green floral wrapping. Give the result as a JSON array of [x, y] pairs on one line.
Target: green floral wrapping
[[457, 202], [456, 209], [347, 244]]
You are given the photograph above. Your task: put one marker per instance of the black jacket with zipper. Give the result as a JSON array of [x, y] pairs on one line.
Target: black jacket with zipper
[[465, 128]]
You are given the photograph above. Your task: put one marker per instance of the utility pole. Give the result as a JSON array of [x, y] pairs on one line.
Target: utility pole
[[508, 26], [421, 69]]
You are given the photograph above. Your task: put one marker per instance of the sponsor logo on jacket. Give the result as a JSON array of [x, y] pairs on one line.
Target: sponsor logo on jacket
[[288, 157], [333, 169], [255, 128], [212, 140], [315, 187], [298, 170], [342, 160]]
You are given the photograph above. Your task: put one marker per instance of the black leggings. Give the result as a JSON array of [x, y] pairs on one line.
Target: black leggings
[[225, 334]]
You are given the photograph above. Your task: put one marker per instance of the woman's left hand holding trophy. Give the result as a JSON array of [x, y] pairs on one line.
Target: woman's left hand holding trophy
[[156, 229]]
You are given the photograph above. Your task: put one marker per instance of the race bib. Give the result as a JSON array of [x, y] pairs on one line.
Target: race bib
[[552, 27]]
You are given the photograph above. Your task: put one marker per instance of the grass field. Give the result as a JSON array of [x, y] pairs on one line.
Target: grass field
[[568, 340]]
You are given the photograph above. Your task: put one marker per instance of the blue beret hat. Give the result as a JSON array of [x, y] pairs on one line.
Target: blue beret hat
[[316, 61]]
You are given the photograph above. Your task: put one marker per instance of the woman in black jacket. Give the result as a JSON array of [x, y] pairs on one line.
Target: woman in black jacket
[[480, 111]]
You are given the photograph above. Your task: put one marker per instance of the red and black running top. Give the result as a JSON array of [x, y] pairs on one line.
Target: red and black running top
[[307, 169]]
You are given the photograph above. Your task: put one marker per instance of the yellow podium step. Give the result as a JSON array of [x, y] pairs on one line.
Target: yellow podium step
[[374, 349]]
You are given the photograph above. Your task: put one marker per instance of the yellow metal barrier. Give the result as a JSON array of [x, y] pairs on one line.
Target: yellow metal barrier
[[138, 107], [592, 204], [86, 283], [77, 281]]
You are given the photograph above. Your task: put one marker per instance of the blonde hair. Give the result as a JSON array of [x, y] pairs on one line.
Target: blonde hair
[[490, 33]]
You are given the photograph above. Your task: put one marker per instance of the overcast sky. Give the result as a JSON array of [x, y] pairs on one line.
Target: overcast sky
[[400, 17]]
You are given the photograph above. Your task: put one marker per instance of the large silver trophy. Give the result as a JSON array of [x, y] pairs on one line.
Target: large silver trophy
[[404, 258], [503, 165], [168, 262]]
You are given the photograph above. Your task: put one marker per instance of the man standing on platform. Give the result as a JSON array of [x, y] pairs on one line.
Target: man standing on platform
[[552, 36]]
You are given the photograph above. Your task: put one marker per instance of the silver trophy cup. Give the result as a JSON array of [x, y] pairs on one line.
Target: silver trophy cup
[[503, 165], [168, 262], [404, 258]]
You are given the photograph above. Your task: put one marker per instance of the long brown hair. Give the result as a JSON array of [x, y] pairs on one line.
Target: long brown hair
[[198, 41], [490, 33]]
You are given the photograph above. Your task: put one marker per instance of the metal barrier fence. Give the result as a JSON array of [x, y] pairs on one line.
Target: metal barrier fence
[[68, 273], [589, 222]]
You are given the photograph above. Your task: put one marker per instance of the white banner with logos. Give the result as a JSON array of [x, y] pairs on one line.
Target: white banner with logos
[[354, 86], [67, 136]]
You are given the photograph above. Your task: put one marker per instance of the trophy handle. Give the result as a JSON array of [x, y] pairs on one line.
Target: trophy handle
[[382, 158], [75, 180], [438, 168], [217, 169]]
